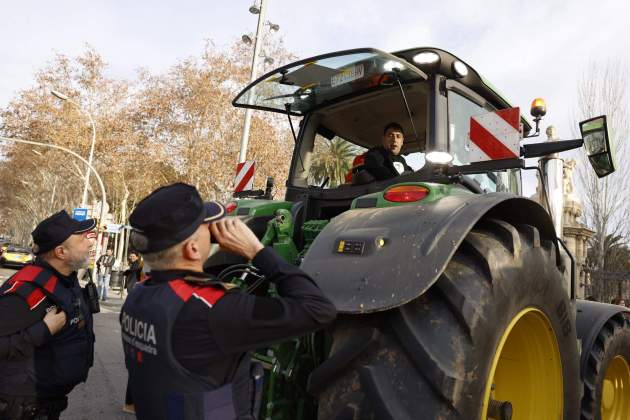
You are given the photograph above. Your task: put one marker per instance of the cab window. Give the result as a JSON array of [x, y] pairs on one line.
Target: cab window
[[332, 161]]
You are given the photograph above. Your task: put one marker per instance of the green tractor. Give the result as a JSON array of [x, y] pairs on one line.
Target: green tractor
[[456, 296]]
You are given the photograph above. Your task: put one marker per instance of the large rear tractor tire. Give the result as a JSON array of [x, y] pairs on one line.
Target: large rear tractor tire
[[607, 374], [494, 336]]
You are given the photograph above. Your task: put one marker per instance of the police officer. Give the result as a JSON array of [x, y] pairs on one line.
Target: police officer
[[186, 336], [46, 336]]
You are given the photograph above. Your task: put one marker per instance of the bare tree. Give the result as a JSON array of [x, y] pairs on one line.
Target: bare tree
[[602, 90], [151, 131]]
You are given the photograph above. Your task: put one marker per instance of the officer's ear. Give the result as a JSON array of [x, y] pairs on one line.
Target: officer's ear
[[60, 252], [191, 250]]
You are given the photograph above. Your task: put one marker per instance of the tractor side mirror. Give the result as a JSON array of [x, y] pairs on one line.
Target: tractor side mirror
[[596, 141]]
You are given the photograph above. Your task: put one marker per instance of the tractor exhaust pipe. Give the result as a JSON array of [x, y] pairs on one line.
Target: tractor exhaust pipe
[[552, 173], [552, 167]]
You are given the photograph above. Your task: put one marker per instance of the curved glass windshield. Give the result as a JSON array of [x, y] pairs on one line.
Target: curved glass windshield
[[303, 86]]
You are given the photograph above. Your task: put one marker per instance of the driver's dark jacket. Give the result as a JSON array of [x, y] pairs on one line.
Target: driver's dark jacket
[[379, 162], [211, 332], [32, 362]]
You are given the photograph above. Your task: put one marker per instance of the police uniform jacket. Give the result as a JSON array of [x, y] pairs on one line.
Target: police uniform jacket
[[32, 361], [186, 343]]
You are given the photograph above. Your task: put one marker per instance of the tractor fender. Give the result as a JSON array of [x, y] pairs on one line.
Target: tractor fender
[[373, 259], [591, 318]]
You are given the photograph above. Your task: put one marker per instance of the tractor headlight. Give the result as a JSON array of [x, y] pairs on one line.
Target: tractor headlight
[[460, 69], [439, 158]]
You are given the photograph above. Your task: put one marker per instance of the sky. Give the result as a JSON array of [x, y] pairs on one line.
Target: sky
[[526, 49]]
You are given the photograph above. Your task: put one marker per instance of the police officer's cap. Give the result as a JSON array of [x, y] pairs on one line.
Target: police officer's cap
[[169, 215], [56, 229]]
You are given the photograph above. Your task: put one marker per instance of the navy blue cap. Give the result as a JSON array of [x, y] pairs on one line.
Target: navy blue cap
[[169, 215], [56, 229]]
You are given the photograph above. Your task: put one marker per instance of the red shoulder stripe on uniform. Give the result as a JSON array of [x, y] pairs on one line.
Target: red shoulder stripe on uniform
[[51, 284], [181, 289], [26, 274], [37, 296], [14, 286], [207, 294]]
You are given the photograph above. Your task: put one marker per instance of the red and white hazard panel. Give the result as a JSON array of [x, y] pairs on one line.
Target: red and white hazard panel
[[244, 179], [495, 135]]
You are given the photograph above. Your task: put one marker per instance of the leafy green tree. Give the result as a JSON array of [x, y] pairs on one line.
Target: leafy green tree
[[332, 161]]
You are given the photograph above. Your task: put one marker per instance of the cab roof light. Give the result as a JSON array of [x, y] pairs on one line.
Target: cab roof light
[[426, 57], [405, 193], [460, 69]]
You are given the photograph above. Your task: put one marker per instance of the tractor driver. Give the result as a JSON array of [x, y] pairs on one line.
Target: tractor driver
[[385, 161]]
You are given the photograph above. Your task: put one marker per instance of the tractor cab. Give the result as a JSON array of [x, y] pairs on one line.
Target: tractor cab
[[345, 99]]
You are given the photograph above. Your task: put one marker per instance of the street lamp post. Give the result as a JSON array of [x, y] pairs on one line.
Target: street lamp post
[[64, 97], [90, 168], [260, 11]]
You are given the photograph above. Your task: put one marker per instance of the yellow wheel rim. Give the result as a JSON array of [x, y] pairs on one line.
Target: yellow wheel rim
[[526, 370], [616, 390]]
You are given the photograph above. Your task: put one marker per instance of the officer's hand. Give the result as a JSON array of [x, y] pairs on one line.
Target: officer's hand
[[234, 236], [55, 319]]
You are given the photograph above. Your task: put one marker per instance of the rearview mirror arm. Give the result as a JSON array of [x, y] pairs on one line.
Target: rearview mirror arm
[[549, 147], [486, 166]]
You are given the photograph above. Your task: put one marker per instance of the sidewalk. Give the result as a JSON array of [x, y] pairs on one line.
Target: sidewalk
[[102, 396], [114, 301]]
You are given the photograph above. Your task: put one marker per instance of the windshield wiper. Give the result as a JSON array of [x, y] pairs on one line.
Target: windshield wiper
[[402, 92]]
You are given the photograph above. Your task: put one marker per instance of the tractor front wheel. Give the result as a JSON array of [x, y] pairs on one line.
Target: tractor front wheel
[[494, 338]]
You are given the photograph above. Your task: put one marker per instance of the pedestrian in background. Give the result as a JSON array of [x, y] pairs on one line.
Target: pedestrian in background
[[618, 301], [134, 273], [104, 264]]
